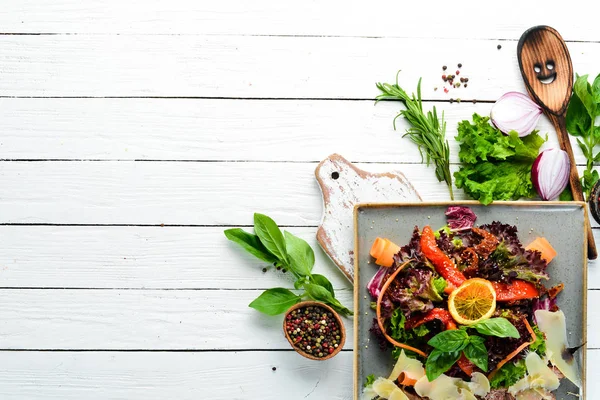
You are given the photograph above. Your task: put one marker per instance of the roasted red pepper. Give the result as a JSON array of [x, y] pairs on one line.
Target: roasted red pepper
[[466, 365], [517, 290], [436, 313], [442, 263]]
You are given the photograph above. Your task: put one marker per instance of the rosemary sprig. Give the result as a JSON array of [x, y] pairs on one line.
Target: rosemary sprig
[[426, 131]]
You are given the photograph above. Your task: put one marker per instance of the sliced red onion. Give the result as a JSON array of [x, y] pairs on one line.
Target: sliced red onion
[[515, 111], [376, 282], [550, 173]]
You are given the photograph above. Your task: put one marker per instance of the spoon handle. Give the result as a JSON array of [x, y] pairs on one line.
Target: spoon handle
[[575, 183]]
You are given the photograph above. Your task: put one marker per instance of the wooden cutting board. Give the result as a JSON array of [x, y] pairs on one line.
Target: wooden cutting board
[[343, 185]]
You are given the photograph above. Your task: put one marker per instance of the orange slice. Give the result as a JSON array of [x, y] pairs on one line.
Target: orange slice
[[473, 301]]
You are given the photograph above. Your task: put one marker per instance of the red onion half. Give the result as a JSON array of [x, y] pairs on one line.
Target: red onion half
[[515, 111], [550, 173]]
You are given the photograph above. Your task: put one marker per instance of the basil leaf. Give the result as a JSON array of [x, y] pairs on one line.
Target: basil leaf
[[477, 354], [584, 91], [323, 281], [275, 301], [439, 362], [251, 243], [301, 255], [451, 340], [499, 327], [318, 292], [578, 120], [596, 89], [270, 236]]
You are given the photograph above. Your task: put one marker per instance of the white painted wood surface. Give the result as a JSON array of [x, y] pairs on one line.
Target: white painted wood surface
[[119, 116]]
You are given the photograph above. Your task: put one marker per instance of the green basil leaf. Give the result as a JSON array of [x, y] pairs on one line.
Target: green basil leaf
[[270, 236], [339, 307], [300, 282], [578, 121], [251, 243], [583, 147], [499, 327], [275, 301], [439, 362], [451, 340], [300, 254], [318, 292], [583, 89], [596, 90], [476, 339], [323, 281], [477, 353]]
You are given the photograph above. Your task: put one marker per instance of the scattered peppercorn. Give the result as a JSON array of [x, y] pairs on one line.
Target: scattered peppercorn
[[466, 79], [457, 72], [451, 100], [459, 65], [274, 368], [444, 67], [465, 85], [278, 268], [458, 100], [314, 330], [284, 270], [474, 101], [264, 270], [499, 46], [444, 77], [445, 90], [435, 88]]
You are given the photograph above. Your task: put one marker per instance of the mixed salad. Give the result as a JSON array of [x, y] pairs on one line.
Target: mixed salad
[[468, 316]]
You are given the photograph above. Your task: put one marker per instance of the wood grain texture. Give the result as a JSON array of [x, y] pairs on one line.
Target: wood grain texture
[[199, 129], [141, 319], [255, 66], [182, 376], [343, 185], [141, 258], [296, 17]]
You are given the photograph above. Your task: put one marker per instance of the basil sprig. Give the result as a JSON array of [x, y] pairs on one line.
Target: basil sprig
[[449, 344], [292, 253]]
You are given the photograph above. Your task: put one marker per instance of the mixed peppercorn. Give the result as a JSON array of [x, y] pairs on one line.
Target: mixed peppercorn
[[314, 330], [450, 79]]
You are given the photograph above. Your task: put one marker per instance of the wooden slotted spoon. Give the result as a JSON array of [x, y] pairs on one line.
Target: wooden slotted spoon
[[547, 70]]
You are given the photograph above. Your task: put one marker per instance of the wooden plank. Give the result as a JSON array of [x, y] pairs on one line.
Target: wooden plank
[[184, 129], [148, 376], [164, 375], [141, 257], [142, 319], [186, 193], [150, 258], [256, 66], [268, 17]]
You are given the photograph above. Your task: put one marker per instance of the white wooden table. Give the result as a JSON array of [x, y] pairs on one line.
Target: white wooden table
[[134, 132]]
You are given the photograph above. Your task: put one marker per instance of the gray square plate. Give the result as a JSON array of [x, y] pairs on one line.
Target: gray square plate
[[562, 223]]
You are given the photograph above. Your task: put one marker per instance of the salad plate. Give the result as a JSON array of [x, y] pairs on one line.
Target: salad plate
[[561, 223]]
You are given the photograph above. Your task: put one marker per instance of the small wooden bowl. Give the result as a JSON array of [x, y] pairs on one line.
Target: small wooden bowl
[[335, 315]]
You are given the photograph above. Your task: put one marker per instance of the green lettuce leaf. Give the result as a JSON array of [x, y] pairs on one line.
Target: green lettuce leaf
[[495, 166]]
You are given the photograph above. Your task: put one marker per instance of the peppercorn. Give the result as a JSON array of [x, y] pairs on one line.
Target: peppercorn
[[465, 85], [466, 79], [324, 324], [457, 72], [444, 77], [284, 270], [451, 100], [459, 65], [278, 268], [264, 270], [444, 67], [499, 46]]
